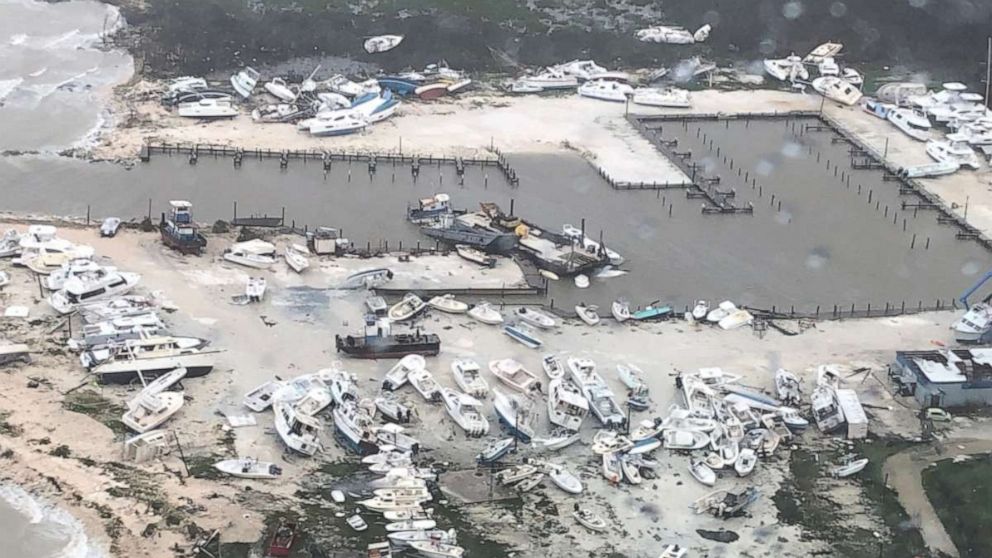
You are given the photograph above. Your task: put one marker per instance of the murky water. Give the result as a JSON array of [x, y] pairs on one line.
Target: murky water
[[35, 528], [825, 246]]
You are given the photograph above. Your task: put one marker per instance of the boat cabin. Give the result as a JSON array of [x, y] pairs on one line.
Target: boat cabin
[[179, 232]]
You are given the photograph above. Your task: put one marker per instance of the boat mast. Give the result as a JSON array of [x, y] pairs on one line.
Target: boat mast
[[988, 70]]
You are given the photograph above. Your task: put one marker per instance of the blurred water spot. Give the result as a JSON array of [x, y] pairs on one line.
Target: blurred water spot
[[971, 268], [712, 17], [767, 46], [792, 149], [818, 258], [756, 67], [838, 9], [764, 167], [783, 217], [918, 3], [646, 231], [792, 10]]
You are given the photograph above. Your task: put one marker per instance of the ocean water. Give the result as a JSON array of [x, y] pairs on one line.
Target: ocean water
[[37, 529], [55, 75]]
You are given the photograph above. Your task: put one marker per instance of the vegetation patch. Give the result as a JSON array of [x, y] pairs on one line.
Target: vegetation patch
[[101, 409], [961, 494], [7, 429]]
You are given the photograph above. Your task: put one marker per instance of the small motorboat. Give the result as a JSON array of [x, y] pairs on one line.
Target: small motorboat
[[495, 450], [475, 255], [468, 377], [702, 472], [722, 310], [850, 467], [410, 306], [207, 108], [283, 539], [109, 227], [357, 523], [516, 413], [367, 279], [671, 34], [621, 310], [382, 43], [523, 337], [516, 474], [337, 123], [244, 81], [631, 376], [670, 97], [612, 469], [398, 375], [582, 281], [423, 381], [248, 468], [260, 398], [564, 479], [536, 318], [589, 520], [552, 367], [296, 257], [255, 289], [588, 313], [376, 305], [431, 91], [606, 90], [435, 549], [651, 312], [150, 410], [558, 439], [485, 313], [828, 49], [529, 483], [404, 538], [278, 88], [411, 525], [257, 254], [466, 411], [837, 89], [685, 439], [631, 473], [393, 409], [411, 513], [513, 374], [746, 460], [700, 310], [447, 303], [736, 319]]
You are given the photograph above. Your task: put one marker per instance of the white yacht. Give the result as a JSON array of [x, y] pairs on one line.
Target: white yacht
[[953, 150], [466, 411], [382, 43], [73, 268], [207, 108], [116, 331], [144, 345], [338, 123], [299, 431], [974, 325], [257, 254], [606, 90], [828, 67], [567, 407], [469, 377], [244, 82], [355, 428], [914, 124], [550, 79], [84, 289], [669, 34], [669, 97], [790, 68], [837, 89], [582, 69]]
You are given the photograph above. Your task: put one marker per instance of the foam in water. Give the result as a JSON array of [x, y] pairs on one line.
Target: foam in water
[[7, 86], [40, 530]]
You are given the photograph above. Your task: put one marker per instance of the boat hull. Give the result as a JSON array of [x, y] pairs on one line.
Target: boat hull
[[389, 346]]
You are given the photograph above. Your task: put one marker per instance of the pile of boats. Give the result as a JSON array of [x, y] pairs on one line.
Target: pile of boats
[[673, 34], [837, 83]]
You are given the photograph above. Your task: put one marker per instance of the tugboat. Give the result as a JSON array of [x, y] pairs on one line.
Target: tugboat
[[179, 232], [378, 341], [431, 209]]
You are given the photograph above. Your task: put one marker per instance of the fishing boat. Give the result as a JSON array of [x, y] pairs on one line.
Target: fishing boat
[[398, 375], [430, 209], [954, 150], [249, 468], [567, 407], [746, 461], [296, 257], [590, 246], [300, 432], [354, 428], [150, 410], [244, 81], [447, 303], [513, 374], [495, 450], [589, 520], [564, 479], [393, 409], [466, 411], [913, 123], [378, 341], [702, 472], [376, 305], [535, 318], [435, 549], [284, 537], [685, 439], [837, 89], [620, 310], [423, 381], [606, 90], [469, 378], [516, 412], [257, 254], [669, 97], [849, 467], [475, 255], [485, 313], [179, 232], [86, 289], [588, 313], [109, 227], [207, 108], [552, 367], [382, 43], [522, 336], [260, 398], [410, 306]]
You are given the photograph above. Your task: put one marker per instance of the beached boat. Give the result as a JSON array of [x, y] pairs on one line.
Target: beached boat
[[670, 34], [179, 232], [620, 310], [826, 410], [522, 336], [849, 467], [516, 474], [589, 520], [357, 523], [670, 97], [412, 513], [254, 290], [513, 374], [552, 367], [208, 108], [79, 267], [606, 90], [469, 378], [722, 310], [485, 313], [392, 409], [260, 398], [588, 313], [736, 319], [430, 209], [148, 345], [337, 123], [244, 81], [837, 89], [396, 436], [567, 407], [931, 169], [475, 255], [913, 123], [825, 50], [495, 450], [376, 305], [384, 344], [249, 468], [423, 381], [149, 411], [746, 461], [398, 375], [300, 432], [974, 324], [10, 244], [374, 106], [431, 91], [516, 412], [789, 68], [411, 525], [124, 368], [86, 289], [953, 150], [355, 428], [726, 503], [410, 306], [257, 254], [564, 479], [631, 472], [109, 227], [547, 80], [404, 538], [631, 376], [673, 551], [652, 312], [685, 439], [447, 303], [435, 549], [466, 411], [530, 482], [702, 472], [787, 386], [296, 257], [559, 438], [535, 318], [283, 538], [382, 43]]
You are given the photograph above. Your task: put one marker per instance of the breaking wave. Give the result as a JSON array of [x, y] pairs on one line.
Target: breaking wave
[[41, 530]]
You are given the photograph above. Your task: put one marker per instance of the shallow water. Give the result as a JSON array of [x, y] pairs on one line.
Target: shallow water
[[36, 529]]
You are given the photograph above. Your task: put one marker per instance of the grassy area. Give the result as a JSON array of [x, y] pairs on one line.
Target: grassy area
[[91, 403], [961, 494], [801, 501]]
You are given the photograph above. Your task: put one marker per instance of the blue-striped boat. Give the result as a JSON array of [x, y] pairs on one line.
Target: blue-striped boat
[[398, 85], [522, 337]]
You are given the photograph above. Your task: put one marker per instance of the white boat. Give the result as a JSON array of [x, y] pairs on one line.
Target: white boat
[[826, 411], [589, 520], [549, 79], [279, 89], [260, 398], [148, 411], [244, 81], [828, 67], [469, 378], [516, 474], [737, 319], [381, 504], [435, 549], [552, 367], [342, 385], [109, 227], [700, 35], [515, 411], [669, 97], [631, 376], [564, 479], [513, 374], [423, 381], [722, 310], [519, 86], [376, 305], [382, 43], [929, 170], [466, 411], [344, 86], [393, 409], [398, 375], [495, 450], [10, 244], [790, 68], [474, 255], [410, 306], [257, 254], [337, 123], [588, 313], [523, 336], [357, 523], [300, 432], [411, 513], [375, 107], [149, 345], [485, 313], [447, 303], [685, 439], [404, 538], [787, 386], [567, 407], [702, 472], [849, 468], [558, 439], [582, 69], [249, 468], [609, 441], [255, 289], [589, 245], [837, 89], [207, 108], [974, 324], [828, 49], [913, 123], [792, 419], [620, 310], [631, 472], [296, 257], [700, 310], [74, 268], [953, 150], [535, 318], [86, 289], [746, 460], [606, 90], [670, 34], [395, 435], [354, 425], [582, 281]]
